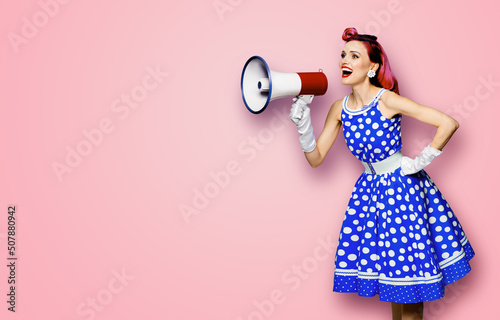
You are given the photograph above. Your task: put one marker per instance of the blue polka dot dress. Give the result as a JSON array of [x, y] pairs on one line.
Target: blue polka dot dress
[[399, 238]]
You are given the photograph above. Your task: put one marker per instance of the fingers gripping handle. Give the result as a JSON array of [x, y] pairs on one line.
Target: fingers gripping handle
[[299, 105], [300, 114]]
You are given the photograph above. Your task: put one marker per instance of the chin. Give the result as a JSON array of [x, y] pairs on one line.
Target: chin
[[346, 81]]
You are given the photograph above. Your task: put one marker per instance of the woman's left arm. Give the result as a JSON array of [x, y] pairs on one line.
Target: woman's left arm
[[395, 104]]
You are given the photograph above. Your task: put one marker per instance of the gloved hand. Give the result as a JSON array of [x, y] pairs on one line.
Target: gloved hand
[[411, 166], [300, 114]]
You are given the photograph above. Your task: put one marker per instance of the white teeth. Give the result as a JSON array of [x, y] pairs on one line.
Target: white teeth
[[346, 71]]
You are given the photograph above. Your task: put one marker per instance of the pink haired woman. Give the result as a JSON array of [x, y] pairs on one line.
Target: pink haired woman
[[399, 238]]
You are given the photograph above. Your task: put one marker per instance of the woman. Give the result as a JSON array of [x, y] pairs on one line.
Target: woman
[[399, 238]]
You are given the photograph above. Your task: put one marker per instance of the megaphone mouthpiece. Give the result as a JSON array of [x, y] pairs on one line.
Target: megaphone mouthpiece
[[263, 85]]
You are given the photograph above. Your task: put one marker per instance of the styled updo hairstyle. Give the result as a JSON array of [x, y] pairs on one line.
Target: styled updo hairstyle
[[384, 77]]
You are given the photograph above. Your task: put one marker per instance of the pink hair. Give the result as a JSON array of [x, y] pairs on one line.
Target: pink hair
[[376, 53]]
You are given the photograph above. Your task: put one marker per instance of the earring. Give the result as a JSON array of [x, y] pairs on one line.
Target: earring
[[371, 73]]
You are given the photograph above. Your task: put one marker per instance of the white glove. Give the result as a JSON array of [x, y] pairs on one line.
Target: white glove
[[300, 114], [411, 166]]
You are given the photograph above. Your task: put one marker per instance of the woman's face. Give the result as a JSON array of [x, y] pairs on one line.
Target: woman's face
[[354, 63]]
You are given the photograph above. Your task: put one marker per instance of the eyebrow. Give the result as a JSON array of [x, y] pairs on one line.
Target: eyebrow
[[352, 51]]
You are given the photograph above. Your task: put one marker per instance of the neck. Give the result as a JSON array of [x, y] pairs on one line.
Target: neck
[[363, 93]]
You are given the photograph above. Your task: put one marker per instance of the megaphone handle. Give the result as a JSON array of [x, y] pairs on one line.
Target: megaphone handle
[[299, 105], [300, 114], [303, 99]]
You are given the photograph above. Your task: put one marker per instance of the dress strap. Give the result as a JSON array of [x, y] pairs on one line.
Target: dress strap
[[344, 102], [379, 94]]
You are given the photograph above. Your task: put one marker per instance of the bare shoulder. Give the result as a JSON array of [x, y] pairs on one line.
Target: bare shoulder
[[390, 103], [389, 98]]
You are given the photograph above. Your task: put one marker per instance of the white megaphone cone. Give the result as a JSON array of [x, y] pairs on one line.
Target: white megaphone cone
[[260, 85]]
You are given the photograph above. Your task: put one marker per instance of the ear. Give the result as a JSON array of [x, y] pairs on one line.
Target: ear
[[374, 66]]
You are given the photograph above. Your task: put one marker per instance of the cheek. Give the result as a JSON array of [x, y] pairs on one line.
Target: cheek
[[358, 64]]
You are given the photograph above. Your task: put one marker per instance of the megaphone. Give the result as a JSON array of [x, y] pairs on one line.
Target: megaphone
[[260, 85]]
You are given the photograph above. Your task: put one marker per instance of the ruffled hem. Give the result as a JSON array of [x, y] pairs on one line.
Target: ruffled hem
[[404, 290]]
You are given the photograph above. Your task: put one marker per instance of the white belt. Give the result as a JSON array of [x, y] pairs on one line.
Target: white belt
[[387, 165]]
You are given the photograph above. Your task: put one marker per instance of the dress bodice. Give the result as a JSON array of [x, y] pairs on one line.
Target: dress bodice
[[369, 135]]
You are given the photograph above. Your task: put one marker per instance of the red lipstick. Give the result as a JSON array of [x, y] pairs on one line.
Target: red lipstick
[[346, 72]]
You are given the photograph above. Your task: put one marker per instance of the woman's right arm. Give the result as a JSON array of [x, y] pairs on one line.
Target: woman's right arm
[[328, 135]]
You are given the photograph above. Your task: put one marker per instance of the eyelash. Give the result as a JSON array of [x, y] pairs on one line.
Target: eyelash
[[355, 56]]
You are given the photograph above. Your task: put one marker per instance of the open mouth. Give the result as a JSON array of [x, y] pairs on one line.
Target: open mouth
[[346, 72]]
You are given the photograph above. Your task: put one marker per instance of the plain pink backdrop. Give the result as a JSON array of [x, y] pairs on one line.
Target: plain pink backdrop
[[111, 228]]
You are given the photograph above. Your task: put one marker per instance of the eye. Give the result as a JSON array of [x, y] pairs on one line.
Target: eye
[[342, 55], [355, 56]]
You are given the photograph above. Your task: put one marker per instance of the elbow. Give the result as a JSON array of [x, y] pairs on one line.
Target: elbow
[[315, 164], [314, 158], [454, 125], [449, 125]]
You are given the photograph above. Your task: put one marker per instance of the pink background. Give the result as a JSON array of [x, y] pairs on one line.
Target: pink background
[[107, 239]]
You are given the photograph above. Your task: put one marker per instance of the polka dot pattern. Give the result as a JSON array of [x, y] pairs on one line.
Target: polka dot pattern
[[399, 239], [369, 135]]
